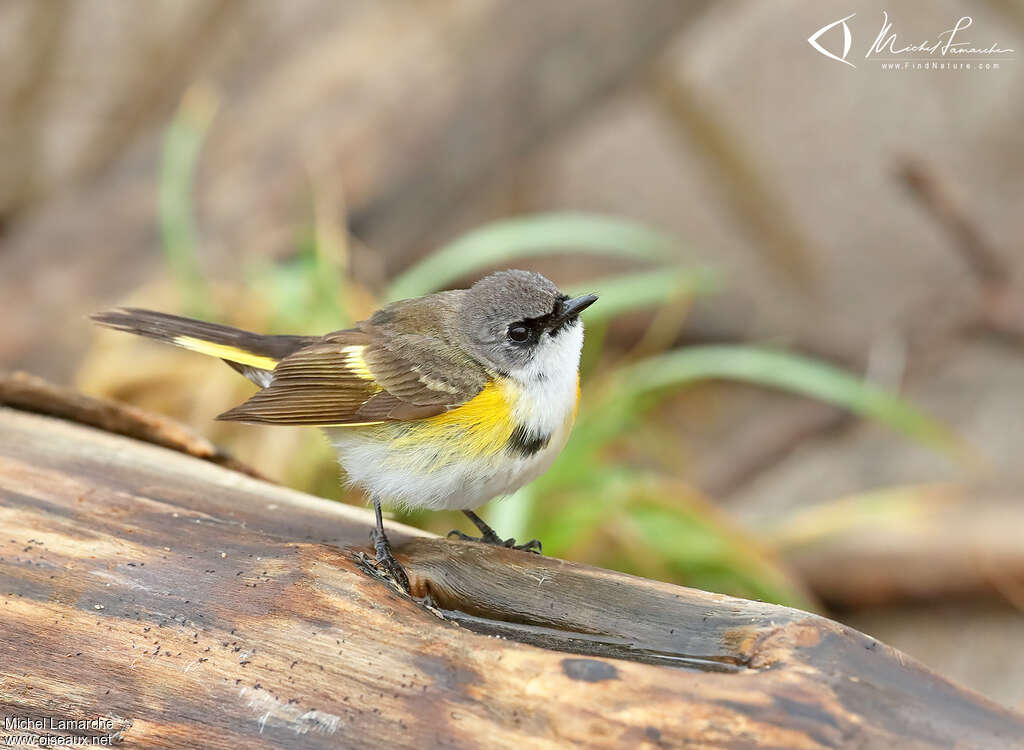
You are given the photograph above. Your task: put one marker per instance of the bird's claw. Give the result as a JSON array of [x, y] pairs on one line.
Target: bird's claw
[[386, 563], [533, 545]]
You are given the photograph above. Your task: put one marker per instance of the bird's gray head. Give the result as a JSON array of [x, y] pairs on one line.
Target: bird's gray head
[[520, 324]]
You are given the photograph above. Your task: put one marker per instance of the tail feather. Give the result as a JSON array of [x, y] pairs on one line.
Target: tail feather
[[242, 350]]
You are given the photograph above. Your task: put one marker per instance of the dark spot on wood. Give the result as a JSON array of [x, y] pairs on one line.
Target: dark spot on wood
[[589, 670], [525, 444], [653, 734], [18, 499], [804, 710], [802, 716], [448, 675]]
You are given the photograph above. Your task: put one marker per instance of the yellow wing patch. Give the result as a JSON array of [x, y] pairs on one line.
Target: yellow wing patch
[[223, 351], [355, 362]]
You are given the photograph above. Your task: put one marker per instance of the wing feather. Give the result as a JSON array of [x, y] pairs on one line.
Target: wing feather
[[364, 376]]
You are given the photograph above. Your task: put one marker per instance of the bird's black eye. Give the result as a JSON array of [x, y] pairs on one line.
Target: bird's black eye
[[518, 333]]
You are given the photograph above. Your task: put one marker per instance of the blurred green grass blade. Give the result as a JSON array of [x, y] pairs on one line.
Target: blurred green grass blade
[[179, 155], [330, 258], [512, 514], [702, 553], [789, 372], [529, 236], [627, 292], [577, 518]]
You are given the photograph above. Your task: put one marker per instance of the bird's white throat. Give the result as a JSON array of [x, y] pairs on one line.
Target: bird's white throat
[[549, 382]]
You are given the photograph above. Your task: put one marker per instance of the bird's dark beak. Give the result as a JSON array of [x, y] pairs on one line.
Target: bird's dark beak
[[572, 308]]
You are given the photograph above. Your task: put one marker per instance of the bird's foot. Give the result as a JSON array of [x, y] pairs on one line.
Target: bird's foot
[[386, 563], [533, 545]]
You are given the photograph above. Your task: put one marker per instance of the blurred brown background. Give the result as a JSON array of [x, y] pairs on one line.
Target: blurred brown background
[[869, 217]]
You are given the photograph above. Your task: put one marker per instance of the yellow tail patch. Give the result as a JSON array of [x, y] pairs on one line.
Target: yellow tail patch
[[223, 351]]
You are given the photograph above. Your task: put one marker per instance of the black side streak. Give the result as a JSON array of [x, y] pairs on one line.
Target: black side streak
[[589, 670], [525, 444]]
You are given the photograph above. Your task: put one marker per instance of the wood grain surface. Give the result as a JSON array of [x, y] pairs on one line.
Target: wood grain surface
[[184, 604]]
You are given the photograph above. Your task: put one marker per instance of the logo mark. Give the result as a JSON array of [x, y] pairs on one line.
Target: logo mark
[[847, 39]]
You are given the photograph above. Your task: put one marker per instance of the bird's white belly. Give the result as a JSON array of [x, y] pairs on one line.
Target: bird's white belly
[[419, 480]]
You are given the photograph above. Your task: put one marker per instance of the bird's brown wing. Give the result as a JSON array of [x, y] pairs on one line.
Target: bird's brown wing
[[365, 376]]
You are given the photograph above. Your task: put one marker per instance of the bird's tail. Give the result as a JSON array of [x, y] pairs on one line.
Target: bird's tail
[[252, 354]]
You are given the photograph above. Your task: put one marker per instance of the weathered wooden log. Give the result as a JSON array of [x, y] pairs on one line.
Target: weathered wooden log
[[176, 603]]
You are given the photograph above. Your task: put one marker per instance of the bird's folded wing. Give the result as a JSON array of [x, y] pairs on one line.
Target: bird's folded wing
[[361, 377]]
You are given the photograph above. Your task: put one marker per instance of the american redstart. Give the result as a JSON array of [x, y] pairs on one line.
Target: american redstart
[[444, 401]]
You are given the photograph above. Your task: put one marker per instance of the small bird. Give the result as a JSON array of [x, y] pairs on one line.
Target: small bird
[[442, 402]]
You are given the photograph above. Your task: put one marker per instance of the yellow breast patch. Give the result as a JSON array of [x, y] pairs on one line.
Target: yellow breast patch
[[480, 427]]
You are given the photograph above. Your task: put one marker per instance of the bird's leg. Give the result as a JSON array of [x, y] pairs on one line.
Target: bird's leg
[[384, 556], [488, 535]]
